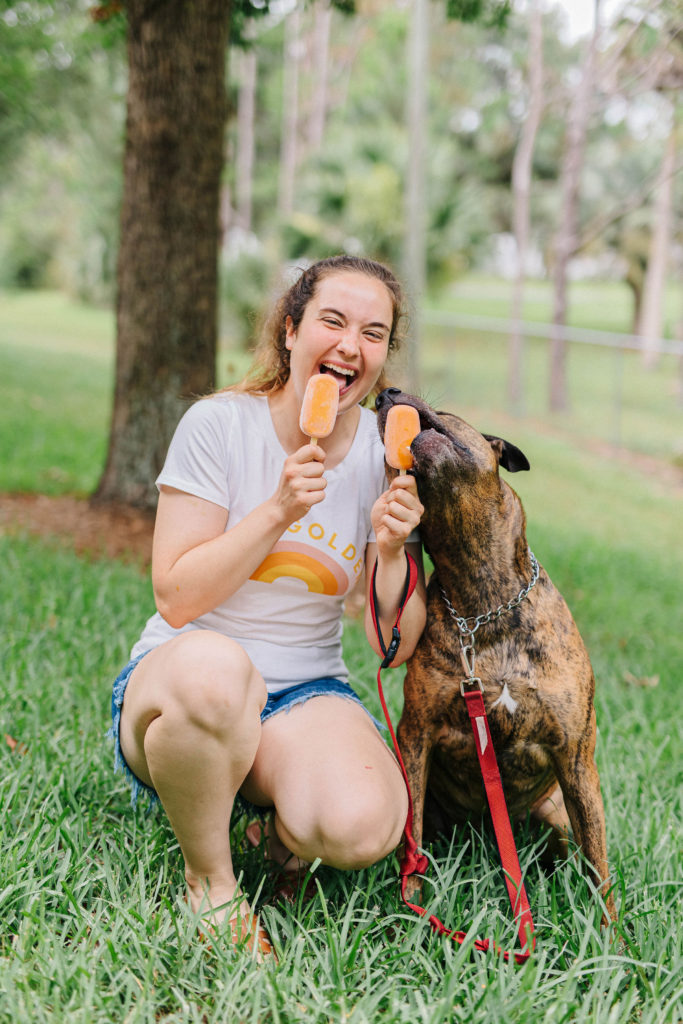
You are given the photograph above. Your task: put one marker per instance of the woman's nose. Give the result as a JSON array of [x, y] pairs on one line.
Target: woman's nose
[[348, 343]]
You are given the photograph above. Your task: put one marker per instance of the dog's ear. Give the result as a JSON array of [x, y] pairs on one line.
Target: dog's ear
[[509, 455]]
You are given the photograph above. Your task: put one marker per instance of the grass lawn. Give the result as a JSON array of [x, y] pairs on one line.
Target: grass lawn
[[92, 925]]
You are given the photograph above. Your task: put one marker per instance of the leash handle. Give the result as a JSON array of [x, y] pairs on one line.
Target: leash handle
[[414, 862]]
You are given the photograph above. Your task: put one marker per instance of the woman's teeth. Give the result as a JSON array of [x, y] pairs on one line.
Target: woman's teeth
[[343, 375]]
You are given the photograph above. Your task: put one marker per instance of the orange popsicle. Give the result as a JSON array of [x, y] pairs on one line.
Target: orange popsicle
[[319, 407], [400, 430]]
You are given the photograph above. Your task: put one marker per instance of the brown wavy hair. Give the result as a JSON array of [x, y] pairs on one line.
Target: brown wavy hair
[[270, 369]]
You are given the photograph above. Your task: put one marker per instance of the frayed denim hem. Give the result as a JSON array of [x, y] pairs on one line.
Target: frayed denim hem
[[137, 786], [299, 693]]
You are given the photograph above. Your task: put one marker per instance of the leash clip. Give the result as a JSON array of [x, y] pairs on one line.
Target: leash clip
[[393, 647], [467, 655]]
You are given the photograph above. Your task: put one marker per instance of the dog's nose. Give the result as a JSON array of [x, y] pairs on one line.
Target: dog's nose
[[386, 397]]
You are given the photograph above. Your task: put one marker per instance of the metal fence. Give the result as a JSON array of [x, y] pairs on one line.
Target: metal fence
[[612, 396]]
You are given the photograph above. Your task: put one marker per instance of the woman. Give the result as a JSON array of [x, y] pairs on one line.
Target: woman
[[259, 535]]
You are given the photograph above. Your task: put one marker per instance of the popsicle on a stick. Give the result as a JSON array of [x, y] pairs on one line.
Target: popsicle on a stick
[[401, 429], [319, 407]]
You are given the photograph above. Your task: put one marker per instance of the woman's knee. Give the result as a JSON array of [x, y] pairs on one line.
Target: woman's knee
[[212, 680], [353, 834]]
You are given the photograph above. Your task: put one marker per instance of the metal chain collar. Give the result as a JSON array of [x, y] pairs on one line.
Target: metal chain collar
[[467, 631]]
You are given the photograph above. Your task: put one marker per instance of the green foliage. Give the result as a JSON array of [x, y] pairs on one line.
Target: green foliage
[[245, 16], [60, 190], [246, 279], [360, 210], [493, 13], [62, 93]]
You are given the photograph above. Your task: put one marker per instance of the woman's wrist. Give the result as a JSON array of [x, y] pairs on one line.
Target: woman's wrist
[[275, 515], [392, 559]]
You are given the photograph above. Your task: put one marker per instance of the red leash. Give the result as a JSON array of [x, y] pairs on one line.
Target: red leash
[[415, 862]]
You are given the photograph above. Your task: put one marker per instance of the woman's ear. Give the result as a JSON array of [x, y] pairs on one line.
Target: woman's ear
[[290, 333]]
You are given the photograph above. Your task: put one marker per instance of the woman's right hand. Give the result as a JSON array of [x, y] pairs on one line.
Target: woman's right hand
[[302, 483]]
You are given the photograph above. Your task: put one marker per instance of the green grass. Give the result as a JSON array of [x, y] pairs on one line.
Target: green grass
[[55, 393], [92, 924], [598, 305]]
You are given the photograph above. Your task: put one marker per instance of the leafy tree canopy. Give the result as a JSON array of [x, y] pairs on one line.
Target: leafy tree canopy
[[492, 13]]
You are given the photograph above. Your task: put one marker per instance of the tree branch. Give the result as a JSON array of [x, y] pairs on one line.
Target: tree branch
[[599, 224]]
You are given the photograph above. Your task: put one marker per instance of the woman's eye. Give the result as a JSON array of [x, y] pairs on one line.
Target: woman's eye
[[333, 321]]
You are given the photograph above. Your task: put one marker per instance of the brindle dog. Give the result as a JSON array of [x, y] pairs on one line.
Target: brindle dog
[[537, 679]]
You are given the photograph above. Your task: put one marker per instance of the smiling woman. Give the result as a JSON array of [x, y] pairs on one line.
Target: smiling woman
[[270, 370], [260, 535]]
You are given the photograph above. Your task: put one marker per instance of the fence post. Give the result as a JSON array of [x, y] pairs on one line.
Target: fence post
[[618, 395]]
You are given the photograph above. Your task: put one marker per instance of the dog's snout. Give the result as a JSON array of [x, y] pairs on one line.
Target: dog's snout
[[386, 397]]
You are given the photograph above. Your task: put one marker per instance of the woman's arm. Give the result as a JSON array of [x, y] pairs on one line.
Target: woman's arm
[[197, 564], [395, 515]]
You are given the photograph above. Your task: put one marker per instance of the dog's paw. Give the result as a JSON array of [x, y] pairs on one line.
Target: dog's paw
[[413, 889]]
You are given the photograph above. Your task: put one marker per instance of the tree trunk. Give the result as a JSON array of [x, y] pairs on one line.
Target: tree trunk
[[290, 113], [651, 321], [416, 227], [566, 239], [635, 283], [167, 268], [321, 53], [521, 192]]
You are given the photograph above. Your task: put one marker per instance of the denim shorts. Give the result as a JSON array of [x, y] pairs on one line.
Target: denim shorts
[[282, 700]]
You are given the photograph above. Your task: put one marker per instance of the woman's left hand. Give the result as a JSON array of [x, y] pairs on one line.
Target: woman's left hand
[[395, 514]]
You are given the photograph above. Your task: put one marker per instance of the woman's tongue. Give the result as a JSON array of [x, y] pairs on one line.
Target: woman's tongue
[[344, 380]]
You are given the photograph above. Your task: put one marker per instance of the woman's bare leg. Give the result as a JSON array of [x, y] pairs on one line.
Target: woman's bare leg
[[190, 727], [337, 790]]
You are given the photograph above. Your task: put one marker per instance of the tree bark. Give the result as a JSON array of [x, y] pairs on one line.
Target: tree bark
[[566, 239], [321, 53], [521, 193], [289, 148], [651, 321], [167, 267]]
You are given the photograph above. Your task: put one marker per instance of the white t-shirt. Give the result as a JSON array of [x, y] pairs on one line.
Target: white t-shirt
[[287, 616]]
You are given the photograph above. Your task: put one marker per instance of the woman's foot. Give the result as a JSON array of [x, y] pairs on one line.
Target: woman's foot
[[231, 916]]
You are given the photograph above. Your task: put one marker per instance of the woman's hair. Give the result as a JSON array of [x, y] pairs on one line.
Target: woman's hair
[[269, 371]]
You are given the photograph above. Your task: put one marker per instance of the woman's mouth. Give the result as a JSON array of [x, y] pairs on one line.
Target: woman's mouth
[[344, 375]]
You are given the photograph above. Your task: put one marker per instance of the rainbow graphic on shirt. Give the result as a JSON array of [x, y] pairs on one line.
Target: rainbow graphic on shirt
[[301, 562]]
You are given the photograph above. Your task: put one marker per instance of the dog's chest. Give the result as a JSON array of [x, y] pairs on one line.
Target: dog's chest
[[509, 674]]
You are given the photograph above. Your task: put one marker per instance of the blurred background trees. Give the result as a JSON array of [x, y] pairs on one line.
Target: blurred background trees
[[508, 169]]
